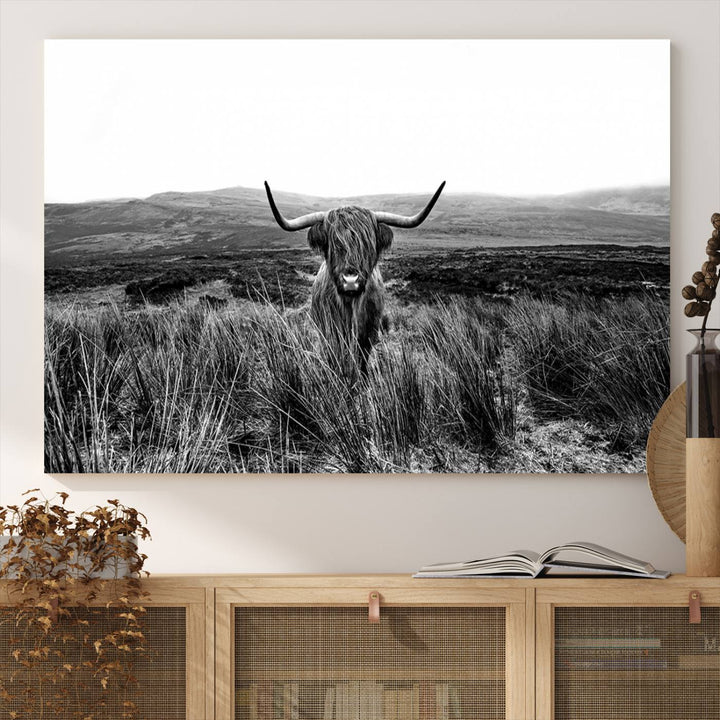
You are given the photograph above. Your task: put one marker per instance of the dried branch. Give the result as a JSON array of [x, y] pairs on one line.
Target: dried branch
[[74, 612]]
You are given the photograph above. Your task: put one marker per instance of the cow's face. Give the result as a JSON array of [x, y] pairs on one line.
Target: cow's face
[[351, 240]]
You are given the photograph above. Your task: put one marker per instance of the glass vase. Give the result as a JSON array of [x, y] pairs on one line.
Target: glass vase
[[703, 386]]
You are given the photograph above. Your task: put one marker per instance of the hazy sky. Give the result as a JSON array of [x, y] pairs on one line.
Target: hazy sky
[[128, 118]]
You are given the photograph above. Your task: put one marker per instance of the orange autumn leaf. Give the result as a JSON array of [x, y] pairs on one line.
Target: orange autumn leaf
[[46, 622]]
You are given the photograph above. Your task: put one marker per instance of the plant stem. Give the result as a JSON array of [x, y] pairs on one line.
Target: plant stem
[[704, 374]]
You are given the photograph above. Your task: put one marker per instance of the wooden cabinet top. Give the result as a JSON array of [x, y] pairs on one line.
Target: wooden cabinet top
[[407, 581]]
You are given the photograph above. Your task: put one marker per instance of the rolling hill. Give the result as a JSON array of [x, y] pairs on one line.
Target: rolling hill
[[231, 220]]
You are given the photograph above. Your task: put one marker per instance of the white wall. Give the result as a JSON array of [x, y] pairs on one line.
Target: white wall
[[347, 523]]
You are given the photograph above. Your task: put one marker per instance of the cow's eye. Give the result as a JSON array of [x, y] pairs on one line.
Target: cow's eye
[[317, 238]]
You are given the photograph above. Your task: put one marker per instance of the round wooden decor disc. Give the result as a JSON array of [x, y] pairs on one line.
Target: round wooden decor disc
[[666, 460]]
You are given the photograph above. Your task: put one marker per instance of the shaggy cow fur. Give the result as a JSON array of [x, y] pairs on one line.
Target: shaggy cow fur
[[351, 241]]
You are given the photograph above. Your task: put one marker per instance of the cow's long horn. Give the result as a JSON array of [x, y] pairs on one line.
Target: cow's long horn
[[299, 223], [405, 221]]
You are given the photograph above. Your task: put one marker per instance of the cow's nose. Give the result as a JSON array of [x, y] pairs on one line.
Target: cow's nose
[[350, 283]]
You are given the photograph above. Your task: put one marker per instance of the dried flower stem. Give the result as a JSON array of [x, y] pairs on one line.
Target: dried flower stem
[[701, 296]]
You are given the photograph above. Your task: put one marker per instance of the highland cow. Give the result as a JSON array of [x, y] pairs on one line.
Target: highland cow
[[347, 300]]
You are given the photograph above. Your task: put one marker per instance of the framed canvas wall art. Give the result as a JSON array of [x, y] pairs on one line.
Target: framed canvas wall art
[[252, 264]]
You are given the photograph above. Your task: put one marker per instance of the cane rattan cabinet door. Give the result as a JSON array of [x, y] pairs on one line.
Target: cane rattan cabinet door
[[323, 660], [630, 661], [57, 675]]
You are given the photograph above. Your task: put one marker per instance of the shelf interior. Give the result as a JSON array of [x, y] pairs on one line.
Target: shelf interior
[[636, 663]]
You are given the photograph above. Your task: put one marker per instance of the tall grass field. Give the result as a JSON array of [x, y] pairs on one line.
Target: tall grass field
[[510, 384], [524, 335]]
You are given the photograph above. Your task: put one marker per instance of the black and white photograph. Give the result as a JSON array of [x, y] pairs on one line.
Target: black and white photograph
[[355, 256]]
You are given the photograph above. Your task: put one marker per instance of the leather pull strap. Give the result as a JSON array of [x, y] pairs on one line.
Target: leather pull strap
[[694, 603], [374, 607]]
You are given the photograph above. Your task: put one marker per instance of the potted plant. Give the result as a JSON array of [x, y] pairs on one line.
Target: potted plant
[[702, 450], [71, 609]]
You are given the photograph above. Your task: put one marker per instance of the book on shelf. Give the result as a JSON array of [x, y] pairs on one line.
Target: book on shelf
[[571, 559], [329, 709], [623, 662], [278, 701], [353, 700], [264, 700], [442, 701], [455, 702], [602, 650], [427, 701], [291, 701], [615, 643], [701, 661], [389, 704], [269, 700], [610, 654], [242, 698], [409, 703]]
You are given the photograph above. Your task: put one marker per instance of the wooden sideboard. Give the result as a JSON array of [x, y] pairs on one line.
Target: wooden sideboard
[[265, 647]]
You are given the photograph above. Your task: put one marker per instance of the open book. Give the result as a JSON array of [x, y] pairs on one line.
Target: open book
[[575, 558]]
